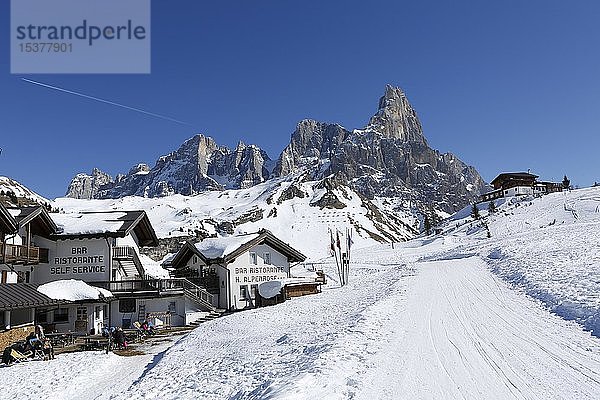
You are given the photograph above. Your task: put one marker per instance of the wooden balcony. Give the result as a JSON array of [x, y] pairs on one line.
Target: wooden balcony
[[19, 254], [160, 287]]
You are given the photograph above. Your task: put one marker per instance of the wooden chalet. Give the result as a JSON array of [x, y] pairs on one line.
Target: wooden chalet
[[511, 184], [233, 267]]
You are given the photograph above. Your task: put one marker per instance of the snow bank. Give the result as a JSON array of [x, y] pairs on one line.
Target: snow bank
[[547, 247], [273, 288], [154, 268], [72, 290]]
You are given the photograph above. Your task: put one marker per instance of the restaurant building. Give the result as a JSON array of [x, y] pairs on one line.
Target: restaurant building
[[102, 251], [513, 184], [232, 268]]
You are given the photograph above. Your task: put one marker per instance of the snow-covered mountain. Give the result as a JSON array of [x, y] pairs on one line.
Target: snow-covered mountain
[[199, 165], [13, 193], [296, 209], [389, 158]]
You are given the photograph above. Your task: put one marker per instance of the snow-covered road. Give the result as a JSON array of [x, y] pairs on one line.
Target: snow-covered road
[[466, 335], [402, 329], [446, 329]]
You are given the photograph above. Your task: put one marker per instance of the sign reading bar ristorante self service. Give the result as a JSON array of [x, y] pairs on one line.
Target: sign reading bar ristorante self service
[[79, 262]]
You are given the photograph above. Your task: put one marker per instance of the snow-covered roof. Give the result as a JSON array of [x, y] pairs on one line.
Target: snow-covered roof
[[106, 223], [81, 224], [228, 248], [37, 217], [73, 290], [222, 247], [7, 221], [14, 296]]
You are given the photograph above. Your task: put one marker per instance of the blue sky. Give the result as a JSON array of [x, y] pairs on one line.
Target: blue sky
[[505, 85]]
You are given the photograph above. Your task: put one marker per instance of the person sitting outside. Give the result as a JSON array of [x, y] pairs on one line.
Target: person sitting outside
[[119, 338], [148, 328], [36, 341]]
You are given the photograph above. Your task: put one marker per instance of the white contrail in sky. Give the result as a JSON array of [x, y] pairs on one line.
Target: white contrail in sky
[[105, 101]]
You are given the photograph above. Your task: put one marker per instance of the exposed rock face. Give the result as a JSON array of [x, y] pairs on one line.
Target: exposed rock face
[[198, 165], [85, 186], [396, 119], [311, 141], [390, 157]]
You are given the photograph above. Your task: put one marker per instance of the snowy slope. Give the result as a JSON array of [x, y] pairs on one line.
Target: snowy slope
[[548, 247], [402, 329], [20, 191], [268, 205], [428, 319]]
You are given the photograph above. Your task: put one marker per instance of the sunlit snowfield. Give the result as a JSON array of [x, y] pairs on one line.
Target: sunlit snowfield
[[453, 316]]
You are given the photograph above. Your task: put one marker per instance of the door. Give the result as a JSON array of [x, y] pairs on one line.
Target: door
[[81, 321]]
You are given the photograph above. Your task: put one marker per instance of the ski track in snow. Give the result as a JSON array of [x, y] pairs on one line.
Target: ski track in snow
[[402, 329], [468, 336]]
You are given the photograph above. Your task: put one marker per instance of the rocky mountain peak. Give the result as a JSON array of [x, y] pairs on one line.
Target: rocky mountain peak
[[396, 118], [198, 165], [85, 186], [389, 158], [311, 141]]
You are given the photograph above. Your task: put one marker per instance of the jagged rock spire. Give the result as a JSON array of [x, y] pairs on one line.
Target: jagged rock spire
[[396, 117]]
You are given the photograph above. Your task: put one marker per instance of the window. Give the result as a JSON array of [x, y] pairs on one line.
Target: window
[[41, 317], [82, 314], [253, 291], [253, 258], [127, 305], [195, 260], [27, 276], [61, 315], [4, 276], [243, 292], [97, 312], [267, 258], [172, 307]]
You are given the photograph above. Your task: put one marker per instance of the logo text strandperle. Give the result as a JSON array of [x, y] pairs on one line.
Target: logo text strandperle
[[84, 31]]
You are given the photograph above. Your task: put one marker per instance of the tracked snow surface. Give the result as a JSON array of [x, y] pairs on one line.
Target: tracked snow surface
[[453, 316]]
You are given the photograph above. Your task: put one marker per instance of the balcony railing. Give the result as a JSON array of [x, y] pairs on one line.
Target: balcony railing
[[160, 286], [124, 252], [19, 254], [127, 253]]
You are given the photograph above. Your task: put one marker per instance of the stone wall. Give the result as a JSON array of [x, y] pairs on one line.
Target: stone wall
[[14, 335]]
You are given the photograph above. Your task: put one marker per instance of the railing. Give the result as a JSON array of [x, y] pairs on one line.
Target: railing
[[160, 286], [129, 286], [128, 253], [124, 252], [19, 254]]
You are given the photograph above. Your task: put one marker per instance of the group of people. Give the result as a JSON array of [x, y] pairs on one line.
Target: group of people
[[117, 335], [36, 345]]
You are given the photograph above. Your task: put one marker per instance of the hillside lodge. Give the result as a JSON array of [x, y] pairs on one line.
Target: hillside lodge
[[519, 184], [81, 272]]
